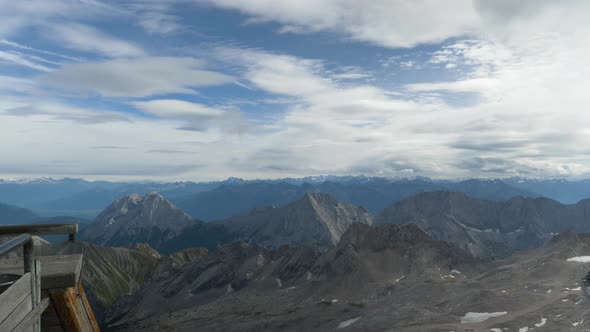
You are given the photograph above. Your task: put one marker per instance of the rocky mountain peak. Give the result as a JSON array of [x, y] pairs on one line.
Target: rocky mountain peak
[[135, 218], [316, 219]]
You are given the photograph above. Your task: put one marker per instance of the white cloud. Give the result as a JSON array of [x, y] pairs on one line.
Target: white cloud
[[171, 107], [16, 16], [159, 23], [194, 116], [16, 45], [88, 39], [58, 148], [56, 111], [16, 84], [480, 85], [21, 59], [138, 77], [525, 60], [389, 23], [329, 127]]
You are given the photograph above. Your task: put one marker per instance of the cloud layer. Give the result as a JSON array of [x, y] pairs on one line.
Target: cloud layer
[[454, 89]]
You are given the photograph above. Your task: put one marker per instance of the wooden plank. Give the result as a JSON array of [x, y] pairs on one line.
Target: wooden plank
[[36, 291], [60, 271], [32, 317], [15, 243], [64, 302], [88, 308], [18, 314], [14, 295], [40, 229], [71, 311]]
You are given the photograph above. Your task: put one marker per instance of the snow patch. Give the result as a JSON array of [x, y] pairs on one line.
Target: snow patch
[[309, 276], [573, 289], [347, 323], [400, 278], [523, 329], [478, 317], [496, 329], [543, 322], [279, 283], [579, 259], [578, 323]]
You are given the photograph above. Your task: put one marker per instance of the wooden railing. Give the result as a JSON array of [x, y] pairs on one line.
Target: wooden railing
[[41, 229], [20, 304]]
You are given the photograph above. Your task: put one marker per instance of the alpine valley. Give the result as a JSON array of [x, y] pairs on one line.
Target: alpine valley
[[322, 254]]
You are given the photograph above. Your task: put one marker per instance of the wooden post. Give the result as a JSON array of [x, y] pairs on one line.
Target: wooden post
[[36, 281], [28, 255], [73, 310]]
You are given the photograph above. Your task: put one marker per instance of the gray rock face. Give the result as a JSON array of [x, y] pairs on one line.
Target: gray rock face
[[316, 220], [487, 228], [134, 219], [400, 280], [368, 254], [245, 287]]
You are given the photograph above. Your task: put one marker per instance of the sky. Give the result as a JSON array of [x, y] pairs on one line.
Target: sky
[[208, 89]]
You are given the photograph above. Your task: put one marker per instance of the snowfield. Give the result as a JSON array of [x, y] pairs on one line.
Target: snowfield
[[579, 259], [543, 322], [347, 323], [478, 317]]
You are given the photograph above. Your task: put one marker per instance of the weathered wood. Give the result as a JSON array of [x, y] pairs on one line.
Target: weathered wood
[[18, 314], [70, 310], [28, 256], [88, 308], [36, 292], [64, 302], [14, 295], [42, 229], [32, 317], [58, 271], [15, 243]]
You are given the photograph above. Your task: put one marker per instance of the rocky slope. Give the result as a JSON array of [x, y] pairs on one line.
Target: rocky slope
[[488, 228], [378, 278], [135, 219], [316, 220], [248, 287]]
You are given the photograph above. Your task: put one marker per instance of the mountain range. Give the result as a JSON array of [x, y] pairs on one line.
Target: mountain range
[[484, 228], [385, 277], [434, 260], [488, 228], [222, 199]]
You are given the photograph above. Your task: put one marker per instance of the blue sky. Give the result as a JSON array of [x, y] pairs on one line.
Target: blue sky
[[207, 89]]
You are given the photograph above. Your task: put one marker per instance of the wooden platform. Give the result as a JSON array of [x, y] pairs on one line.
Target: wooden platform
[[64, 304], [56, 272], [48, 295]]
